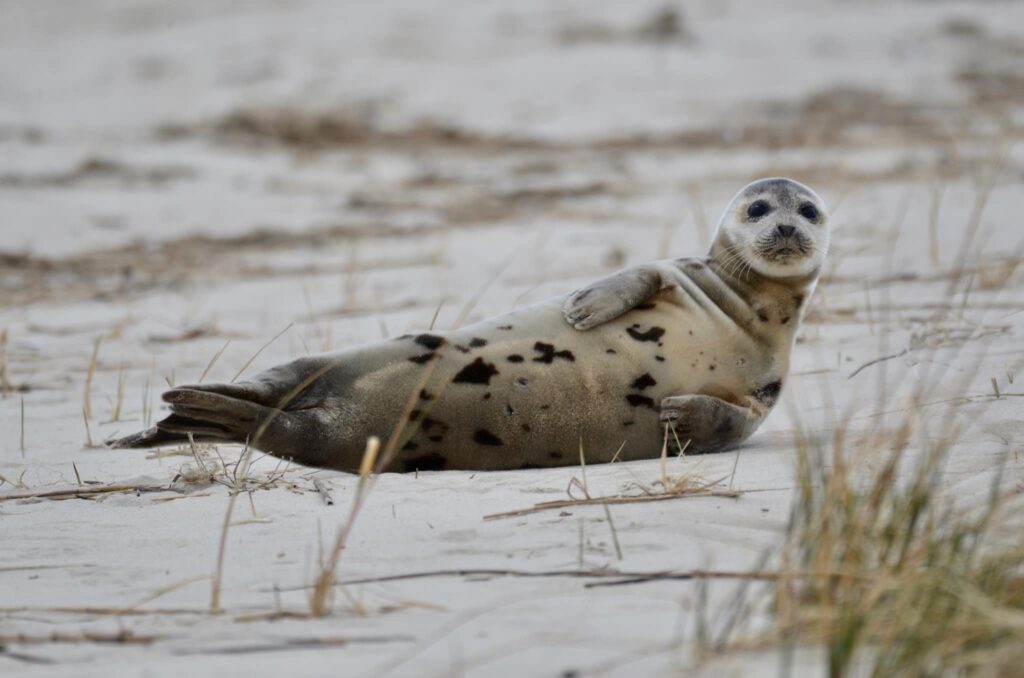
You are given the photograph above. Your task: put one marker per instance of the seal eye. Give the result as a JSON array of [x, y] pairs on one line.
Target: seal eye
[[757, 209], [809, 211]]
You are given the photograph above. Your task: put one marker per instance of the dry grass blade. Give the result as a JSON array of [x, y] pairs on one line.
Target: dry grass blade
[[374, 461], [320, 600], [115, 414], [82, 491], [615, 534], [88, 430], [616, 577], [472, 303], [5, 384], [255, 355], [869, 363], [124, 637], [213, 361], [597, 501], [241, 471], [981, 197], [87, 391], [147, 396]]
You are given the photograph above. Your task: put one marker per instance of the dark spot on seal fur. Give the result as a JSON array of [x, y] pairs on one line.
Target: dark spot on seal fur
[[525, 427], [426, 462], [431, 341], [487, 396], [768, 393], [525, 467], [545, 407], [410, 446], [548, 354], [522, 381], [485, 437], [423, 358], [637, 400], [415, 414], [429, 425], [611, 351], [477, 372], [645, 380], [711, 367], [785, 320], [515, 358], [645, 307], [660, 358], [436, 439], [723, 427], [425, 396], [628, 423], [653, 334], [798, 300], [762, 317], [504, 327], [477, 342], [461, 349], [555, 455]]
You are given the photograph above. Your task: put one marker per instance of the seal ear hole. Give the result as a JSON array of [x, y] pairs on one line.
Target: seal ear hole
[[809, 212], [758, 209]]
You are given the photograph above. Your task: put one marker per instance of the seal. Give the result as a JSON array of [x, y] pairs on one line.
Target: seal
[[700, 344]]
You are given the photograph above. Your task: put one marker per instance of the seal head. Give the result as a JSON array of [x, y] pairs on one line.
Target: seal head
[[775, 227]]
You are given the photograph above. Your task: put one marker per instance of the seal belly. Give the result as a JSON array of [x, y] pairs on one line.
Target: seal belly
[[523, 389]]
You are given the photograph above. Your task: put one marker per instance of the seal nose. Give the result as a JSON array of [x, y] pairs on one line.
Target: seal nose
[[785, 230]]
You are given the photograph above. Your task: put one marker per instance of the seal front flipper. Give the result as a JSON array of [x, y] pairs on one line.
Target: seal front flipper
[[708, 424], [610, 297]]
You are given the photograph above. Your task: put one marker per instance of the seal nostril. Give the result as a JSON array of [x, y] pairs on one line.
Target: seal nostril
[[785, 230]]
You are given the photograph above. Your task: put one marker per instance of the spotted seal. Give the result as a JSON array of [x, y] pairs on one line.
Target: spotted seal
[[699, 343]]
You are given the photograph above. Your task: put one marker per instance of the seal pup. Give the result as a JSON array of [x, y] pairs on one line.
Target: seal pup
[[699, 343]]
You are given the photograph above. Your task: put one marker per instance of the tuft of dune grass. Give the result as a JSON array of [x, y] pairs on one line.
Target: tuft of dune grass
[[894, 578]]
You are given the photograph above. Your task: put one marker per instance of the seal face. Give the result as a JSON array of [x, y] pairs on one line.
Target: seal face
[[777, 227], [698, 344]]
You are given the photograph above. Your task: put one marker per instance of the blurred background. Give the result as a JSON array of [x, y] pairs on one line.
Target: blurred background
[[123, 121]]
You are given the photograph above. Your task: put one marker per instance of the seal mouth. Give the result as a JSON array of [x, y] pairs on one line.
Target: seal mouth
[[784, 249]]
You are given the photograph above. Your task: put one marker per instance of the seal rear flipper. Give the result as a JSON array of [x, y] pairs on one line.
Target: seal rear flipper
[[300, 434], [156, 437], [216, 414]]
